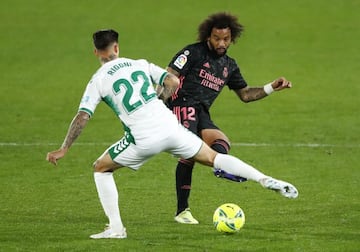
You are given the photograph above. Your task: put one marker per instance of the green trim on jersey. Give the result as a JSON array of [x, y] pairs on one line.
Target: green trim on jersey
[[162, 78], [86, 111], [107, 99]]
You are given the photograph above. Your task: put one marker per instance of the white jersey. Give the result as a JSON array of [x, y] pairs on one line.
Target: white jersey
[[126, 86]]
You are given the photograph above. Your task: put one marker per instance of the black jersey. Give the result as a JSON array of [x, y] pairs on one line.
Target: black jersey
[[203, 74]]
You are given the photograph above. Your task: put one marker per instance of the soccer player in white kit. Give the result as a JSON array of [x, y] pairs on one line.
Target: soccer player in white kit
[[126, 86]]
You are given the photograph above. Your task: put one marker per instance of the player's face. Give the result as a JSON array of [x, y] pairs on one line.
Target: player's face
[[220, 40]]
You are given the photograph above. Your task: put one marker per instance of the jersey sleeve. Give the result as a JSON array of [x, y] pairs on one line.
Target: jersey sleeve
[[157, 74], [90, 98], [236, 80], [183, 60]]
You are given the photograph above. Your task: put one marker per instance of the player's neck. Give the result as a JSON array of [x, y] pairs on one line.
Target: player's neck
[[106, 58]]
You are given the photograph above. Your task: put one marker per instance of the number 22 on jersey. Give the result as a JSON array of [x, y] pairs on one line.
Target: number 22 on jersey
[[133, 99]]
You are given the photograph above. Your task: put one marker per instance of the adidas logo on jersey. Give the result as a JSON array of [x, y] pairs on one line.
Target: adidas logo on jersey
[[207, 65]]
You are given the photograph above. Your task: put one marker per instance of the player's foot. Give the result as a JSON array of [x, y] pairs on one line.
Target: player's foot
[[222, 174], [284, 188], [109, 234], [185, 217]]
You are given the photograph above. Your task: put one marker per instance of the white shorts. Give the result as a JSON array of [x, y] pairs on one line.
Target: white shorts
[[133, 153]]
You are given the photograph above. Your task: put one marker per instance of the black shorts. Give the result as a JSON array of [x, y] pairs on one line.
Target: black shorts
[[194, 117]]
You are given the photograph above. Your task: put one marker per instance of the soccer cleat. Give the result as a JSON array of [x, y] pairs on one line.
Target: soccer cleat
[[284, 188], [222, 174], [185, 217], [109, 234]]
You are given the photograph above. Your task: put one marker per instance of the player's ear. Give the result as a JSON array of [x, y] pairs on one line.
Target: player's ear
[[116, 48]]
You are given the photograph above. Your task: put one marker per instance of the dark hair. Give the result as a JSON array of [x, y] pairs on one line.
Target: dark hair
[[103, 38], [220, 20]]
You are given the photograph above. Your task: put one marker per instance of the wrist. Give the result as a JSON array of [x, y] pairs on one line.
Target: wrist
[[268, 88], [64, 148]]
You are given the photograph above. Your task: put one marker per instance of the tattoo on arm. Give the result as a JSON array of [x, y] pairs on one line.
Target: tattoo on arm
[[75, 128], [253, 94]]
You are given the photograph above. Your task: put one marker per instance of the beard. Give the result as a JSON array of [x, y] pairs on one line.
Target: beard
[[220, 51]]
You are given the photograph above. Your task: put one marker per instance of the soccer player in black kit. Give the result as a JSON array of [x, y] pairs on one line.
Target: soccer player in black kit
[[204, 69]]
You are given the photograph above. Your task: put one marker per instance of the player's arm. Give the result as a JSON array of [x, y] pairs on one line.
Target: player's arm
[[76, 126], [171, 83], [249, 94], [173, 71]]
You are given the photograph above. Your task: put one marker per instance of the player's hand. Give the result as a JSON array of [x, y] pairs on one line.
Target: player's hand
[[281, 83], [54, 156]]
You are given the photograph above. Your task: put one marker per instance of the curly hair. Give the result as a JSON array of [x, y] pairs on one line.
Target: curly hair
[[220, 20]]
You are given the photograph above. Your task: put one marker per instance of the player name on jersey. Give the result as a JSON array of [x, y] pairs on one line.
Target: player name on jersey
[[118, 66]]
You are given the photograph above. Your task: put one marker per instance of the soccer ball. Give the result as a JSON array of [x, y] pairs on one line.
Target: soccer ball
[[228, 218]]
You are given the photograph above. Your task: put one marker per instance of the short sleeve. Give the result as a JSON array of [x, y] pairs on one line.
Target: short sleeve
[[183, 60], [236, 80], [157, 74], [90, 98]]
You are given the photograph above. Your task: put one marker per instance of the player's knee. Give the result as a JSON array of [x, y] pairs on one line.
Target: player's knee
[[221, 146], [96, 166], [99, 167]]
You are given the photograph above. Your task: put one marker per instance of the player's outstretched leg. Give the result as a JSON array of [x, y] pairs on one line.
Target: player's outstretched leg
[[235, 167]]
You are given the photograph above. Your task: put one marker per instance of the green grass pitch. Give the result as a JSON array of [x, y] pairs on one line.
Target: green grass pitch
[[308, 135]]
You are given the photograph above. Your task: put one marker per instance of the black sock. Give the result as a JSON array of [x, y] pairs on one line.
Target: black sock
[[183, 184], [220, 146]]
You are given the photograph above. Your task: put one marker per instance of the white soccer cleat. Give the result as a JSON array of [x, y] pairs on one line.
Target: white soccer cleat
[[185, 217], [284, 188], [109, 234]]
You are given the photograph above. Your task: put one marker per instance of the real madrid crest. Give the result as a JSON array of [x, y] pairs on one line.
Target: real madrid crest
[[225, 72]]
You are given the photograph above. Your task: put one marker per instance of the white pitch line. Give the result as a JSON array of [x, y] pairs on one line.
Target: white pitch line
[[309, 145], [294, 145]]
